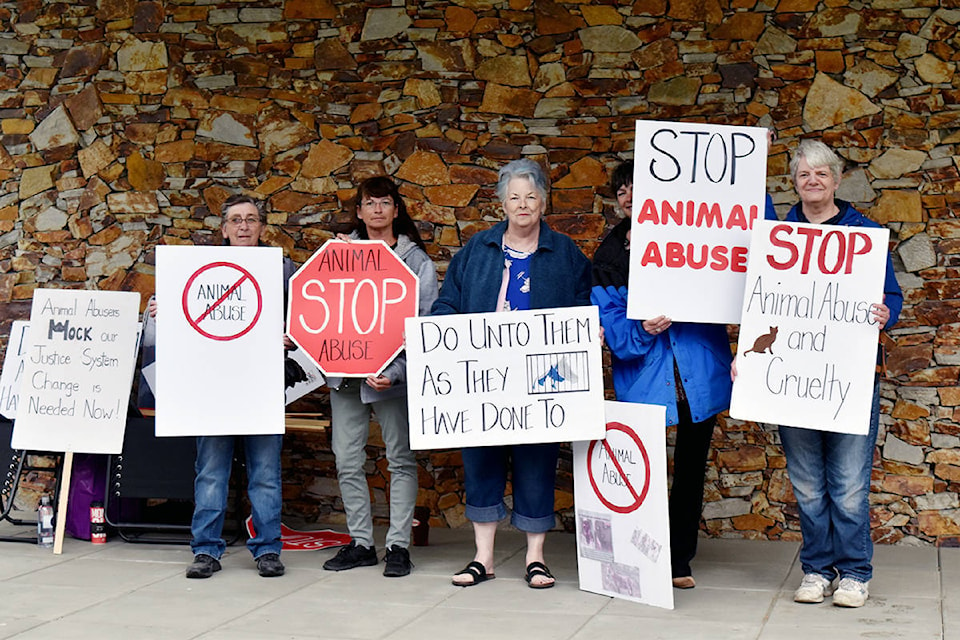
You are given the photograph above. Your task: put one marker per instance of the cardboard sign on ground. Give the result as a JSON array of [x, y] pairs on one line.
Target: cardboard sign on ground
[[620, 494]]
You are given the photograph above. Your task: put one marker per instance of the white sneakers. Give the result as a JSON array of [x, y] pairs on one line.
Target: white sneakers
[[849, 593], [813, 588]]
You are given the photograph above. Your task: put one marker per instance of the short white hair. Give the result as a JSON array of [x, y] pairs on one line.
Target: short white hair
[[816, 154]]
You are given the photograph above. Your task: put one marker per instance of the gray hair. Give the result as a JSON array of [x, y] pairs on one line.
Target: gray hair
[[522, 168], [239, 198], [816, 154]]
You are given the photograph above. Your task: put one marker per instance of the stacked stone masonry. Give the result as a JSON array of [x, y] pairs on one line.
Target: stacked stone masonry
[[125, 125]]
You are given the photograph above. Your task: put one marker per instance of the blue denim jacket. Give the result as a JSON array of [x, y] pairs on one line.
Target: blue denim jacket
[[559, 274]]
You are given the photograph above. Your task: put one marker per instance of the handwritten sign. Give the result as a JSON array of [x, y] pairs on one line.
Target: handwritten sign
[[620, 493], [347, 306], [522, 377], [697, 188], [808, 343], [13, 364], [219, 353], [78, 368]]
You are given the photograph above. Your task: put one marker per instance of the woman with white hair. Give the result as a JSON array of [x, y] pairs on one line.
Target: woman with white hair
[[830, 472], [518, 264]]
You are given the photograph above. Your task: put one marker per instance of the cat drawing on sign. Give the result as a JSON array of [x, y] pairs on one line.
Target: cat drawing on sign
[[764, 342]]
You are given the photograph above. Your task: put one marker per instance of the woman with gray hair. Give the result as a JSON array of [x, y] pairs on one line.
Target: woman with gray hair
[[830, 472], [519, 264]]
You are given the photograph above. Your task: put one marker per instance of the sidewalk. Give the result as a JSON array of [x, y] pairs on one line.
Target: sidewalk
[[744, 591]]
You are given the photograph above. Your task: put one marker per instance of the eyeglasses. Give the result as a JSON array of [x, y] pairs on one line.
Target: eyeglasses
[[237, 220]]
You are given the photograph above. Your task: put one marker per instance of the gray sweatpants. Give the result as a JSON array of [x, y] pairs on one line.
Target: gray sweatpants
[[350, 421]]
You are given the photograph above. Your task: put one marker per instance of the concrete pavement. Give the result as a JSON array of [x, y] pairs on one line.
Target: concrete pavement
[[744, 591]]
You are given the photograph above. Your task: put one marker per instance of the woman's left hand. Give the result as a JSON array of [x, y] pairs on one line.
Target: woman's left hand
[[657, 325], [378, 383], [881, 313]]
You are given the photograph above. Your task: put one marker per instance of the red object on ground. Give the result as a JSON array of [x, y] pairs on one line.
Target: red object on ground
[[294, 540]]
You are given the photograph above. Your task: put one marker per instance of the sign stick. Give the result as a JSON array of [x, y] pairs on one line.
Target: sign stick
[[62, 502]]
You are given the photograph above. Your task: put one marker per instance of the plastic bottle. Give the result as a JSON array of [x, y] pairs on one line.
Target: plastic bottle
[[45, 523]]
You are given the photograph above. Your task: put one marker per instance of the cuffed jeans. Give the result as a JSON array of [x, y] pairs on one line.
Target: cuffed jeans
[[350, 421], [830, 473], [210, 489], [534, 473]]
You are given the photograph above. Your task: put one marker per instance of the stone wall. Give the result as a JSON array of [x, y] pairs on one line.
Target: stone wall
[[125, 124]]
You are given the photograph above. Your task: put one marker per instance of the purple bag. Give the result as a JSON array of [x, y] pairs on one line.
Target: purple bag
[[88, 482]]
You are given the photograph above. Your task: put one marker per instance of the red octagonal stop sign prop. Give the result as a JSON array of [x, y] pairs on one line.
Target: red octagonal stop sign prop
[[347, 304]]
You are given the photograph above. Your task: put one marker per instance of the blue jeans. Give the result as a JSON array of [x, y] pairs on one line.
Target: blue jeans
[[210, 489], [830, 473], [534, 469]]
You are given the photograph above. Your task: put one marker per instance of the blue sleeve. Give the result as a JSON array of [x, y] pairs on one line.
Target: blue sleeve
[[625, 337], [892, 295], [769, 213]]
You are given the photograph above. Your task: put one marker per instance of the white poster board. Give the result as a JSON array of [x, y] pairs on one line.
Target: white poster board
[[697, 188], [620, 493], [219, 359], [78, 369], [13, 364], [522, 377], [308, 378], [807, 351]]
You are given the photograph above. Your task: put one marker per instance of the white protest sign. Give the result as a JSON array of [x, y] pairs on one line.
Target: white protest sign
[[13, 365], [521, 377], [808, 343], [620, 493], [697, 190], [219, 356], [78, 369]]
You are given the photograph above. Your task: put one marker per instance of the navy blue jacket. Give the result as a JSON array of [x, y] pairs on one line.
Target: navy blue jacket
[[559, 274]]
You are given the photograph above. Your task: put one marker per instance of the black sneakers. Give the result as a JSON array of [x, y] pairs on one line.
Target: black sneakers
[[352, 556], [269, 565], [397, 562], [203, 566]]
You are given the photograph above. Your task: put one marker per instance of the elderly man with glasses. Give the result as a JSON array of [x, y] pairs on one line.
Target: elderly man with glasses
[[242, 224]]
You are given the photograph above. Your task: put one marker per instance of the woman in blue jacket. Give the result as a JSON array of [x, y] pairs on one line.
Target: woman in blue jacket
[[830, 472], [518, 264], [683, 366]]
